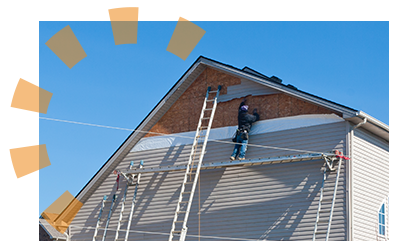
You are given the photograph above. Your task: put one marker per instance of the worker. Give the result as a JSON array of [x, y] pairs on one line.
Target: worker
[[245, 121]]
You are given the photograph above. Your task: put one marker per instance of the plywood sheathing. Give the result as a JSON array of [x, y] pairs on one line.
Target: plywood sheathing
[[184, 114]]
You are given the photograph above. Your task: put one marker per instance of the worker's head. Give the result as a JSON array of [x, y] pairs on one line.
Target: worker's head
[[244, 108]]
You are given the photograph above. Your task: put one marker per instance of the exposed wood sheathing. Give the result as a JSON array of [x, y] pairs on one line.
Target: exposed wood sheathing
[[185, 112]]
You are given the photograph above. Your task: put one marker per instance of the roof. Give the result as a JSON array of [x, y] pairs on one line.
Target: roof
[[355, 116], [51, 231]]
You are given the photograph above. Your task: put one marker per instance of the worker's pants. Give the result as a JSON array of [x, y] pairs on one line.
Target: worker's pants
[[240, 144]]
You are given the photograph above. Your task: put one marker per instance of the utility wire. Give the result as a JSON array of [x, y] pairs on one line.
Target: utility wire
[[161, 233], [174, 135], [83, 123], [181, 136]]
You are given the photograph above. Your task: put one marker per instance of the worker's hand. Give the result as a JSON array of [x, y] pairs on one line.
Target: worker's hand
[[254, 111], [244, 99]]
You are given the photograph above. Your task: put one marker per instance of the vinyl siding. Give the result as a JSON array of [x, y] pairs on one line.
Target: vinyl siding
[[370, 183], [244, 89], [269, 202]]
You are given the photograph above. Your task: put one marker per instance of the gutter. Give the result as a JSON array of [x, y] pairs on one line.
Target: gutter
[[372, 120], [361, 123]]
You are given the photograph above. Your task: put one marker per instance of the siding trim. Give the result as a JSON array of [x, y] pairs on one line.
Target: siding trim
[[349, 183]]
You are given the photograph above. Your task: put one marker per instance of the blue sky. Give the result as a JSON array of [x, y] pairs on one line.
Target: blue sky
[[345, 62]]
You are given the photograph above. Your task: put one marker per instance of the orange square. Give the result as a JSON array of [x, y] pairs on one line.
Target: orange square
[[27, 160], [62, 211]]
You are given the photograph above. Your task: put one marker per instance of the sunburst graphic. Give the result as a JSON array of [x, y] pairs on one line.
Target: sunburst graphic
[[64, 44], [30, 97]]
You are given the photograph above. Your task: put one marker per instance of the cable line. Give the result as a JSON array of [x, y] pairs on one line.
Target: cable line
[[175, 135]]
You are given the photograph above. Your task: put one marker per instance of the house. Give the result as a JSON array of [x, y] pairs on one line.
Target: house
[[49, 233], [277, 201]]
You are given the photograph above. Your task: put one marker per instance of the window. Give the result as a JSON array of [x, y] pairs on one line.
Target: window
[[381, 223]]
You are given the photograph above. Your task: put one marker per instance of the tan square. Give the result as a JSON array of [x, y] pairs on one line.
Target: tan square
[[66, 46], [62, 211], [185, 38], [125, 32]]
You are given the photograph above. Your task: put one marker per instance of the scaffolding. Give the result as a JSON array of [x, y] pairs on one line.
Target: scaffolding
[[192, 171]]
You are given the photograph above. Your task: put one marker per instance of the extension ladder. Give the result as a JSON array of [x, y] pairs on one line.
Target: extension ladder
[[179, 225], [99, 219], [329, 167], [130, 182]]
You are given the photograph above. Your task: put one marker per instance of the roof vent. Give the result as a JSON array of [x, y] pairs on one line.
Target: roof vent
[[276, 79], [291, 86]]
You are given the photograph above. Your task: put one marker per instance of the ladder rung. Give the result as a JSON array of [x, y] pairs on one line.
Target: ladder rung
[[198, 148], [324, 211]]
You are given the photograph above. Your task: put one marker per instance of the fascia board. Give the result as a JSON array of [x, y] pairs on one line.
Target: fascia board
[[373, 120]]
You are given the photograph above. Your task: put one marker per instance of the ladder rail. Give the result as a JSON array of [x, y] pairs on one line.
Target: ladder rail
[[188, 167], [192, 156], [109, 216], [129, 182], [183, 235], [99, 218], [121, 212], [128, 227], [319, 204], [330, 165], [333, 199]]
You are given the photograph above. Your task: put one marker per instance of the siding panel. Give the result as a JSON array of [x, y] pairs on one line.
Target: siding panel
[[269, 202], [371, 183], [246, 88]]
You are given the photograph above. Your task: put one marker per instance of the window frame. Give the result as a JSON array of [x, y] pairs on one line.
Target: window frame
[[383, 220]]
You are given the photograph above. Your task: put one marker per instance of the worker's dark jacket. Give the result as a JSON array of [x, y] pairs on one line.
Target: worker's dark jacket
[[245, 119]]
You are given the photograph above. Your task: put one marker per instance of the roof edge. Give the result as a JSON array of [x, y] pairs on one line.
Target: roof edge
[[130, 137], [346, 111], [373, 120], [52, 237]]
